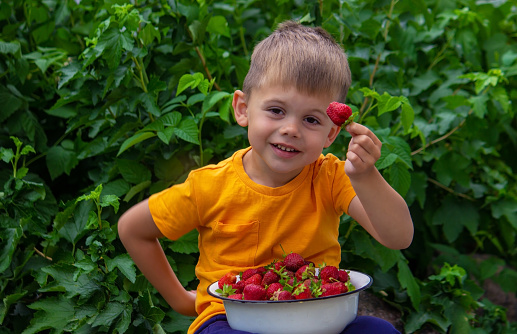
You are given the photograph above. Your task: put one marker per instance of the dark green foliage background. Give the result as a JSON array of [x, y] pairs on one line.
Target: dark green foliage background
[[103, 103]]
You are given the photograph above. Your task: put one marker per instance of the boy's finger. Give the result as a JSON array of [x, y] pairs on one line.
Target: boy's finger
[[356, 129]]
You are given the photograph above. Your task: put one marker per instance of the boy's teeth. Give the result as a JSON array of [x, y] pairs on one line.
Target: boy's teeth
[[283, 148]]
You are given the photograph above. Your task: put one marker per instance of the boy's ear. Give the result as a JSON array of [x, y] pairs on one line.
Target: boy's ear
[[240, 108], [334, 131]]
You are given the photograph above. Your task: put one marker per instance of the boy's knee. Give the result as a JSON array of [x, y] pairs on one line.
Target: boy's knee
[[368, 324]]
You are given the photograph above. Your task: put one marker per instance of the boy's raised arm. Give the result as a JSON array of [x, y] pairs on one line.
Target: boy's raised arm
[[377, 207], [139, 234]]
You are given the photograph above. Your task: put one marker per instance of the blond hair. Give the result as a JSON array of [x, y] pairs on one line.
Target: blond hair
[[306, 57]]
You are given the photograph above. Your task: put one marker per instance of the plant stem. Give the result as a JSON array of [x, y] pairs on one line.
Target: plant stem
[[243, 41], [450, 190], [445, 136], [203, 62], [141, 75]]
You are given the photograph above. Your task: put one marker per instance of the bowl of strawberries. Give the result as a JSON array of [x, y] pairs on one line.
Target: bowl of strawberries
[[291, 295]]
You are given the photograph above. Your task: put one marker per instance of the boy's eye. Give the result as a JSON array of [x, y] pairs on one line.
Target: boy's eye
[[276, 111], [312, 120]]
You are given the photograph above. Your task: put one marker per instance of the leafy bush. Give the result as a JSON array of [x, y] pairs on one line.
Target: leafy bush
[[106, 102]]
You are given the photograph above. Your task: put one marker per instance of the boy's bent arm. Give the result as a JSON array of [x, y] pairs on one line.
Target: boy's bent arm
[[377, 206], [139, 234], [381, 211]]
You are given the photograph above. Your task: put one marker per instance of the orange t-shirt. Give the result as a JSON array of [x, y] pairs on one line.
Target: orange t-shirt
[[242, 224]]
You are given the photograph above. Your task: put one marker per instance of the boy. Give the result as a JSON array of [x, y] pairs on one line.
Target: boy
[[280, 190]]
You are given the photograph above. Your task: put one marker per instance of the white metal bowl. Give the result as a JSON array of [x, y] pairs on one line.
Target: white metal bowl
[[324, 315]]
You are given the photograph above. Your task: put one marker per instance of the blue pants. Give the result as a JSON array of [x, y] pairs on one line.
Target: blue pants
[[361, 325]]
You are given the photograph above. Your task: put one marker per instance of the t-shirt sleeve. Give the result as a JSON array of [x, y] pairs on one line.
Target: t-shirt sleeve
[[174, 210]]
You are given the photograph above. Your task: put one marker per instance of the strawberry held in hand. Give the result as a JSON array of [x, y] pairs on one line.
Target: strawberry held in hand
[[340, 113]]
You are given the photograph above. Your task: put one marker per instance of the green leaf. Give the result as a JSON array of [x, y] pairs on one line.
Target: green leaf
[[13, 48], [459, 318], [388, 103], [454, 215], [132, 171], [110, 200], [197, 30], [111, 44], [60, 160], [225, 108], [149, 34], [505, 207], [452, 166], [189, 81], [407, 116], [188, 131], [65, 280], [423, 82], [135, 139], [171, 119], [177, 323], [10, 237], [125, 319], [187, 244], [417, 319], [10, 103], [212, 98], [500, 95], [53, 313], [68, 73], [490, 267], [387, 158], [400, 178], [6, 154], [149, 311], [149, 102], [125, 264], [136, 189], [168, 169], [218, 25], [408, 281], [109, 314], [479, 106], [65, 112], [7, 302], [75, 228], [506, 279]]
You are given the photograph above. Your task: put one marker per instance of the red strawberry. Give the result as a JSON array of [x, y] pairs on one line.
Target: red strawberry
[[282, 295], [237, 296], [249, 272], [302, 292], [293, 261], [329, 289], [254, 292], [228, 278], [239, 286], [329, 274], [270, 277], [343, 275], [272, 289], [339, 113], [305, 271], [255, 279], [279, 265]]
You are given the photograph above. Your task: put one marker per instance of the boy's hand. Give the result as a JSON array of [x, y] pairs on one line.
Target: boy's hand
[[364, 150]]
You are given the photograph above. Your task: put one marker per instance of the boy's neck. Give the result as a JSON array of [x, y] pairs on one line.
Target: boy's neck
[[260, 176]]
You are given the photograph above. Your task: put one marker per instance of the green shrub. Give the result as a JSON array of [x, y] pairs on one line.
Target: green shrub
[[106, 102]]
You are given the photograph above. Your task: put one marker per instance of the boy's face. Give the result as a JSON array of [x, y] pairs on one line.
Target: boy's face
[[287, 130]]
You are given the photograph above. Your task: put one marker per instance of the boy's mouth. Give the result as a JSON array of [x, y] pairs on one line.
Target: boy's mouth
[[285, 148]]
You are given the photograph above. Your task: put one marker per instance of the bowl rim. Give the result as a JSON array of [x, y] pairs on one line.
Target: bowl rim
[[357, 290]]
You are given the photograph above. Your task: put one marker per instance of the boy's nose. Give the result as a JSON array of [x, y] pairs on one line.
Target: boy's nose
[[290, 129]]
